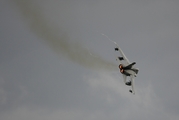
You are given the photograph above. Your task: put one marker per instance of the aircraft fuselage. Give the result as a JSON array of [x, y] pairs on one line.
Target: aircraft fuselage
[[128, 70]]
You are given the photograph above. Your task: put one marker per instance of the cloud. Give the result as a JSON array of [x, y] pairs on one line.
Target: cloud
[[144, 104], [108, 97], [24, 113]]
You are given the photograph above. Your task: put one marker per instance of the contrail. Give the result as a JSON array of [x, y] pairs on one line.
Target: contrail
[[109, 39], [74, 51]]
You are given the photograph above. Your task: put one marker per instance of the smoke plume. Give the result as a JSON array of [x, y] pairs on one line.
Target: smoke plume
[[60, 43]]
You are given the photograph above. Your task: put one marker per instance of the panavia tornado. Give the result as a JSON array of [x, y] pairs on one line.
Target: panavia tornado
[[127, 69]]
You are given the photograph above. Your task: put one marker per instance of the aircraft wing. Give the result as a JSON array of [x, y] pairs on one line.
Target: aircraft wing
[[123, 55], [132, 81]]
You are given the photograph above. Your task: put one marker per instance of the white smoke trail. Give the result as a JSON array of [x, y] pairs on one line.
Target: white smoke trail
[[109, 39]]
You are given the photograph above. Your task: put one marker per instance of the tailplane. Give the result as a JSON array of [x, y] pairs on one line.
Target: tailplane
[[136, 70]]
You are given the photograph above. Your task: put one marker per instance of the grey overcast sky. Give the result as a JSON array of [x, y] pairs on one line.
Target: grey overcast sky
[[56, 64]]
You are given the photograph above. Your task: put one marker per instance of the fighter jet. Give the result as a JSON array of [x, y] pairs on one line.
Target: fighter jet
[[126, 68]]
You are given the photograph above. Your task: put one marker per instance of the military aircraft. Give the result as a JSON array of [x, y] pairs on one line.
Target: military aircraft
[[126, 68]]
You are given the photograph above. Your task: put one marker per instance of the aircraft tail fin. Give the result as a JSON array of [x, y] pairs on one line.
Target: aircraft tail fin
[[130, 65]]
